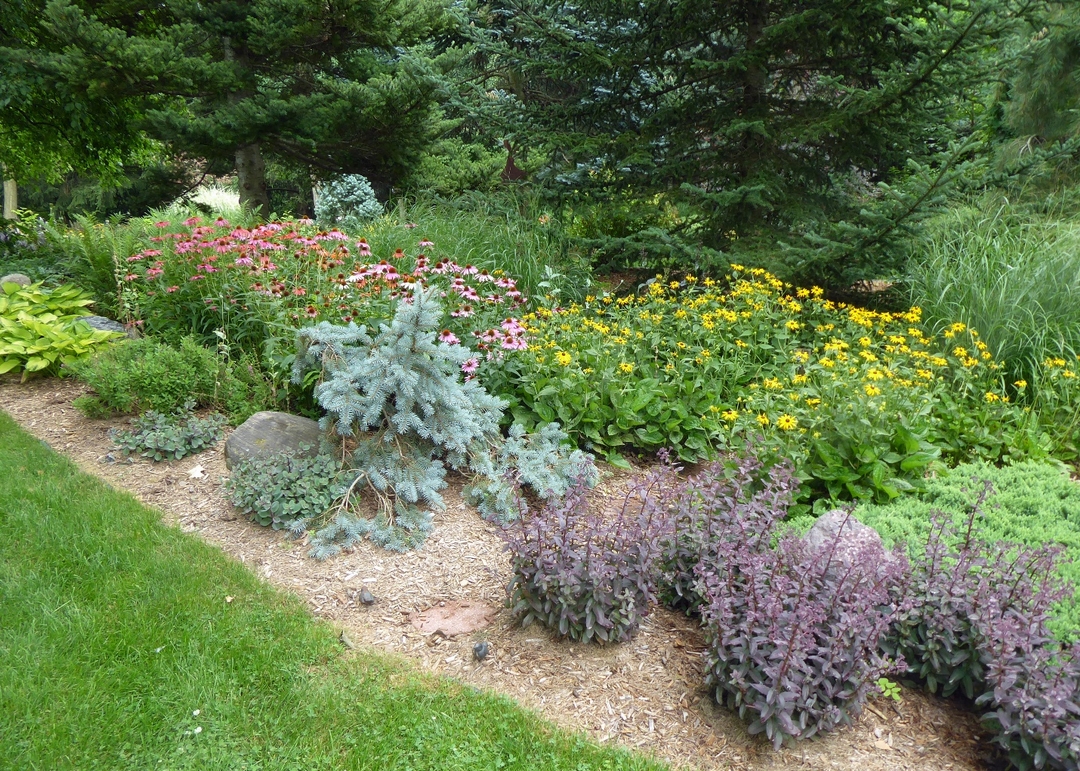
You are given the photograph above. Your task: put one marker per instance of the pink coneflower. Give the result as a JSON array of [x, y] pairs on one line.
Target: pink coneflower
[[463, 312], [157, 239], [512, 343], [512, 327], [245, 261], [311, 312], [221, 222], [505, 283], [305, 221], [490, 336], [364, 247], [494, 299], [197, 277], [172, 289], [483, 277], [130, 277], [448, 337], [162, 224], [135, 258], [154, 272], [399, 254], [222, 246], [299, 291], [424, 243], [442, 266], [470, 294], [469, 270], [470, 366], [410, 225], [206, 267]]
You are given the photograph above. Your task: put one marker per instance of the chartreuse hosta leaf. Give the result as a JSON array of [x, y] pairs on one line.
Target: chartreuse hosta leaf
[[40, 329]]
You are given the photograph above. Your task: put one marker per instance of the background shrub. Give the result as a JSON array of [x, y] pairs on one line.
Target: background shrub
[[347, 200]]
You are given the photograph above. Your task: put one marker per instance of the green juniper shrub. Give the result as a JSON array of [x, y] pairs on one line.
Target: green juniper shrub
[[1034, 503], [279, 489], [170, 437], [148, 374]]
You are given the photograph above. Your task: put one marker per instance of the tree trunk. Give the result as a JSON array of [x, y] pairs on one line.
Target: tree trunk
[[251, 174], [11, 199]]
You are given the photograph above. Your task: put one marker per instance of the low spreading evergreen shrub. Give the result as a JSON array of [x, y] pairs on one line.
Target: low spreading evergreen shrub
[[170, 437], [1034, 503]]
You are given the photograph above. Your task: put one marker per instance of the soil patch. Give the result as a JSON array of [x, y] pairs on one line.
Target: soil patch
[[646, 694]]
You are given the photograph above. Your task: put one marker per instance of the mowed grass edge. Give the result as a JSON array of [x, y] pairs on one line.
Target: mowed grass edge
[[119, 649]]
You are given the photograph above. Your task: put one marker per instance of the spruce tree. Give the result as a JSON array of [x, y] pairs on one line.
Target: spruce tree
[[341, 86], [809, 129]]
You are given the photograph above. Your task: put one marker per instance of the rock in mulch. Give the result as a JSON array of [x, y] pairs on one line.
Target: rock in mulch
[[15, 278], [270, 433], [107, 325], [454, 618]]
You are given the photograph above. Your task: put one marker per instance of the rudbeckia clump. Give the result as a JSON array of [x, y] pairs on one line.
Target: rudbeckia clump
[[862, 401]]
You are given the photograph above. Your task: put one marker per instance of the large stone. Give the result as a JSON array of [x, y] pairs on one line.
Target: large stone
[[853, 540], [269, 433], [15, 278]]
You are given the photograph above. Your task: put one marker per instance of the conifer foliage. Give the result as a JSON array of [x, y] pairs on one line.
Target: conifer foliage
[[399, 400]]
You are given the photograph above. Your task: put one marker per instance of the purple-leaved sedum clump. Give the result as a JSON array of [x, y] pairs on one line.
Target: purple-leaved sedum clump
[[974, 620], [585, 573]]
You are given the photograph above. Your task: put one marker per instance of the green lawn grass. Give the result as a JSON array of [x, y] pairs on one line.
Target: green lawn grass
[[115, 629]]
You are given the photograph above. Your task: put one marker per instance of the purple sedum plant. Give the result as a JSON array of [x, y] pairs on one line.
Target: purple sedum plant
[[794, 633], [975, 620], [584, 573], [720, 503]]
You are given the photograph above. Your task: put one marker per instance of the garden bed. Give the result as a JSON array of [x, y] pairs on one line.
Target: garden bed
[[646, 694]]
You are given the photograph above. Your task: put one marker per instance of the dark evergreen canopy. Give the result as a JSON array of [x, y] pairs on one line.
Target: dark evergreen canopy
[[336, 85], [767, 122]]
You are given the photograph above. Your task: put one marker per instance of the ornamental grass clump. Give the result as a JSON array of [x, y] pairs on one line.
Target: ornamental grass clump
[[587, 574], [793, 631]]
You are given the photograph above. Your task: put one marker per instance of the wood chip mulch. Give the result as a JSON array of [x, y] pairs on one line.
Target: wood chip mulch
[[646, 694]]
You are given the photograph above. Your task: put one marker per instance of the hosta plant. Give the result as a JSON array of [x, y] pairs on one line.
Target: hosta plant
[[40, 329], [584, 573], [170, 437]]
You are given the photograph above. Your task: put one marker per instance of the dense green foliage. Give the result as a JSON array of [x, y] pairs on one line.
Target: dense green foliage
[[148, 374], [1031, 504], [118, 629]]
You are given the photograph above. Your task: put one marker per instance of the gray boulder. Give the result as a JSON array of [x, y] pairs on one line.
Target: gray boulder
[[16, 278], [854, 540], [269, 433]]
